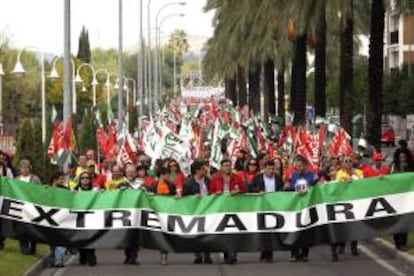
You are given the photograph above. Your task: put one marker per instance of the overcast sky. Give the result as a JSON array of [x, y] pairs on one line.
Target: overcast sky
[[40, 22]]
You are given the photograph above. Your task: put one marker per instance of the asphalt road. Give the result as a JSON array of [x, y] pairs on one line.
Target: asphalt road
[[369, 263]]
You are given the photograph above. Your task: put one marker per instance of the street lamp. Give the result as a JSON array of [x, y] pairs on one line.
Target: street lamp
[[94, 82], [107, 85], [156, 57], [19, 70], [54, 75], [1, 98]]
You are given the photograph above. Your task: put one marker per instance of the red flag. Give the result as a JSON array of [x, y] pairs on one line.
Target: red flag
[[56, 140]]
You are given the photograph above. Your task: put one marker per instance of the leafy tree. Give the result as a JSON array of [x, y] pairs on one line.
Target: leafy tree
[[84, 50], [87, 138], [24, 142]]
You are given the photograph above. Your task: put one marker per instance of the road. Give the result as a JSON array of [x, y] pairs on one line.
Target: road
[[110, 263]]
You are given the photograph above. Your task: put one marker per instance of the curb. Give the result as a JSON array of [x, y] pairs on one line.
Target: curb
[[37, 267], [389, 249]]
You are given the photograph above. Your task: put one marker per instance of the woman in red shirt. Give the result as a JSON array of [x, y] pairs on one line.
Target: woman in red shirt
[[250, 172], [176, 176]]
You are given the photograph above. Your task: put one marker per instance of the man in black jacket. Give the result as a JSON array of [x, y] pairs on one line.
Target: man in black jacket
[[198, 184], [267, 182]]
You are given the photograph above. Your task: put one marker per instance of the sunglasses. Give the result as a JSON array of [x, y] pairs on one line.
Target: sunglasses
[[173, 165], [252, 164], [348, 161], [83, 178]]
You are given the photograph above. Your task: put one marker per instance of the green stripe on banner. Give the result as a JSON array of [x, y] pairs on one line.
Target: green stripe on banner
[[192, 205]]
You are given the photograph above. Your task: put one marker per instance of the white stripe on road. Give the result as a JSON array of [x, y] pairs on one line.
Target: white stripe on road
[[381, 261]]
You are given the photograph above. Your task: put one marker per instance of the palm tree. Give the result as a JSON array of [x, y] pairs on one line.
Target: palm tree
[[254, 87], [179, 42], [346, 65], [241, 85], [269, 88], [320, 61], [375, 73]]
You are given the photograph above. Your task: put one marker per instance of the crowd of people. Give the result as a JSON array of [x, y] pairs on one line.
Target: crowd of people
[[245, 175]]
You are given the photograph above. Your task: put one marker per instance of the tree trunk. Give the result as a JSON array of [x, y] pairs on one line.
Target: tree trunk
[[241, 85], [346, 72], [269, 90], [231, 88], [320, 62], [254, 88], [281, 91], [299, 104], [375, 73]]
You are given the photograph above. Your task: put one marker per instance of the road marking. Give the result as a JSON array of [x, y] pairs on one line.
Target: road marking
[[381, 261]]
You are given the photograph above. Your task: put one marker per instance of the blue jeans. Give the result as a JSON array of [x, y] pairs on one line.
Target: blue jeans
[[57, 254]]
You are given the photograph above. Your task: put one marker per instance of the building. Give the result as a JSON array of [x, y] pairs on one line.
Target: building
[[399, 38]]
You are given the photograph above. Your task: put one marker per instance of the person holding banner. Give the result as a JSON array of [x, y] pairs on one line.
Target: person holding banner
[[134, 183], [300, 181], [26, 175], [86, 256], [117, 179], [198, 184], [163, 186], [176, 176], [267, 182], [227, 182], [402, 164], [57, 253], [347, 174]]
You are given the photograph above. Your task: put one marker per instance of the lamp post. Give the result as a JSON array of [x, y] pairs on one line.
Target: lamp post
[[18, 69], [134, 89], [1, 98], [55, 75], [148, 82], [157, 36], [94, 82]]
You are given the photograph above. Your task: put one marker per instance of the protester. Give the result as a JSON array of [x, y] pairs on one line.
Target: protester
[[377, 168], [198, 184], [5, 168], [106, 169], [347, 174], [5, 171], [249, 173], [300, 181], [267, 182], [82, 164], [57, 253], [148, 181], [134, 183], [26, 175], [71, 177], [98, 180], [227, 182], [403, 163], [329, 176], [163, 187], [176, 176], [117, 178], [90, 155], [86, 256]]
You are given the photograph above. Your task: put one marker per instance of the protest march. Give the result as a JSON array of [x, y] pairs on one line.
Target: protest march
[[209, 177]]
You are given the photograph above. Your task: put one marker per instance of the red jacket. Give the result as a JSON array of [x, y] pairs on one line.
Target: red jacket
[[217, 184], [371, 171]]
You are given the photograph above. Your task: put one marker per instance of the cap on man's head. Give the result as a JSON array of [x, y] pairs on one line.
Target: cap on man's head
[[377, 156]]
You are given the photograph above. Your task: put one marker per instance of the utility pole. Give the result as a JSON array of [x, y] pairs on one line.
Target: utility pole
[[141, 61], [120, 79], [67, 65]]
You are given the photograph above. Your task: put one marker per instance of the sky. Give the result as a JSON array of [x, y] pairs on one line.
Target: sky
[[39, 23]]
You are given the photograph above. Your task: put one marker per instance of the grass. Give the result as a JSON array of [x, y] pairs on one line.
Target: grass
[[410, 242], [13, 263]]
